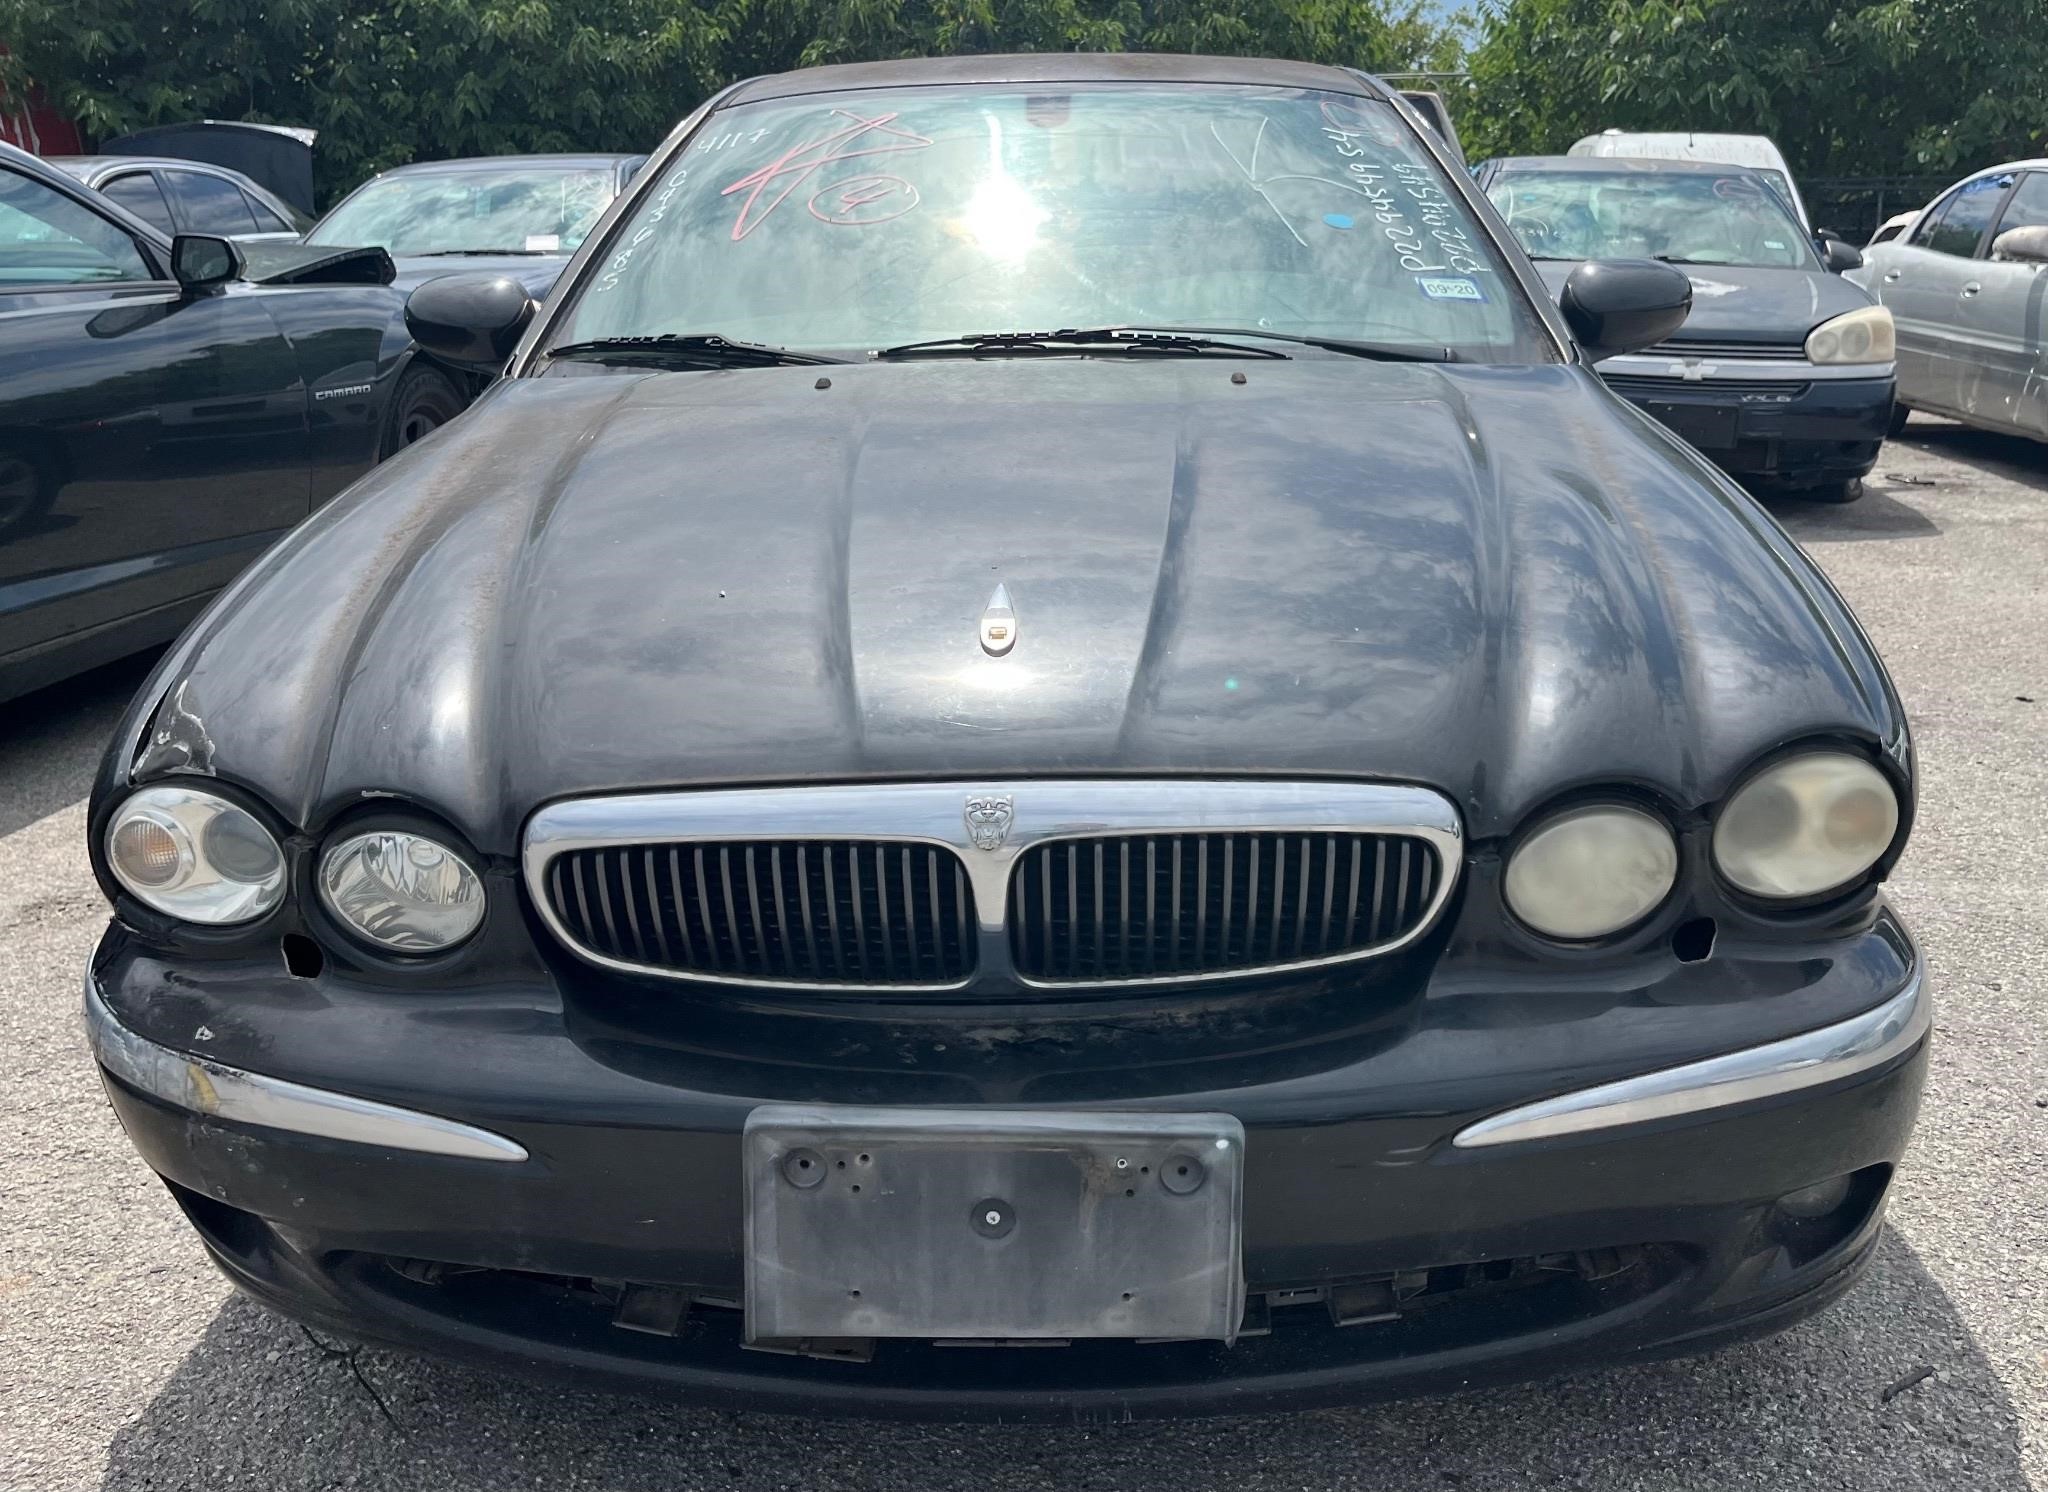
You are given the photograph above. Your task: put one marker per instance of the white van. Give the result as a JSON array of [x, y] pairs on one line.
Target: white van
[[1758, 152]]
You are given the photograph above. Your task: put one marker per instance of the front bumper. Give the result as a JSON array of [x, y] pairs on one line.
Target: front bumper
[[1794, 428], [1622, 1220]]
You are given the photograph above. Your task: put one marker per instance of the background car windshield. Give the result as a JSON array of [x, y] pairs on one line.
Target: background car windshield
[[1691, 217], [437, 212], [861, 220]]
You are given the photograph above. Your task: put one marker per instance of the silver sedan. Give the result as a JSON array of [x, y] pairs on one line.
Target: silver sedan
[[1966, 288]]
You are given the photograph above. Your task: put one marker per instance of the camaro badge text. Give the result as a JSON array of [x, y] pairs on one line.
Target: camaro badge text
[[989, 820], [998, 626]]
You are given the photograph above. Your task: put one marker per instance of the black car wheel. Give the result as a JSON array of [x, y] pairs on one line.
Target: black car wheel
[[426, 400], [1831, 492]]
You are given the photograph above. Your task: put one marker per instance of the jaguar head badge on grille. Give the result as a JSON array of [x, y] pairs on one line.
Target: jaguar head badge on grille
[[927, 887]]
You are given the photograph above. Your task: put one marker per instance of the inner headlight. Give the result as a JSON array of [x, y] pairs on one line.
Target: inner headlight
[[1810, 824], [1591, 871], [195, 856], [402, 891], [1864, 336]]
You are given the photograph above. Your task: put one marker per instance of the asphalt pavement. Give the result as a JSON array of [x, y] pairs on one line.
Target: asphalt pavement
[[126, 1363]]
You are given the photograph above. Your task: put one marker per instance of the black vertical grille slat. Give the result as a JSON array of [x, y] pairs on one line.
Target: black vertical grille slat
[[835, 912], [1193, 904], [675, 898], [1151, 904], [1301, 902], [652, 881], [1330, 889], [1101, 926], [1379, 891]]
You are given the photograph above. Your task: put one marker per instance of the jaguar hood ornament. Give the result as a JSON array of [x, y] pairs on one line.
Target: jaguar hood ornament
[[998, 624]]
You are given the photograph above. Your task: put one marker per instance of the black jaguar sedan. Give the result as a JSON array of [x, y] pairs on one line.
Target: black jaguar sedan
[[1783, 373], [1049, 709], [170, 406]]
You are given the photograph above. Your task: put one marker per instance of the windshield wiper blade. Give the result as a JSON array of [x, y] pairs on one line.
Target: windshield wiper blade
[[475, 253], [1385, 352], [1132, 339], [687, 350]]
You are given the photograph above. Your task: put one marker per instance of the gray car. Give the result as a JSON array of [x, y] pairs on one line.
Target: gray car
[[521, 215], [180, 196], [1966, 289]]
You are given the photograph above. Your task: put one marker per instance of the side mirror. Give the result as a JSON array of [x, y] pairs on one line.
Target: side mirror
[[472, 321], [201, 262], [1837, 254], [1619, 305], [2030, 245]]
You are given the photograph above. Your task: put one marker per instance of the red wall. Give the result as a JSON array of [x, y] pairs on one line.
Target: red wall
[[36, 127]]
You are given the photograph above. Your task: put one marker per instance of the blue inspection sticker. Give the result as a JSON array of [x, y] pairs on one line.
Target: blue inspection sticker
[[1449, 287], [1337, 219]]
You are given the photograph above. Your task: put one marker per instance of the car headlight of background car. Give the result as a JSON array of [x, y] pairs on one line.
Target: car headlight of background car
[[1864, 336], [1805, 826], [195, 855], [402, 891], [1590, 871]]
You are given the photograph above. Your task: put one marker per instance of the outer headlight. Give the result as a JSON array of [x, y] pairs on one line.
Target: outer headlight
[[1808, 825], [1864, 336], [402, 891], [195, 856], [1591, 871]]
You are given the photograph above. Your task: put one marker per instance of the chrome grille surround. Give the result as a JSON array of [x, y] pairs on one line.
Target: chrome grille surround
[[1041, 810], [1771, 351]]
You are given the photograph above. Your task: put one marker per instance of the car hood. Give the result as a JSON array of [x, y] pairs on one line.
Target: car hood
[[1500, 581], [537, 272], [1749, 303]]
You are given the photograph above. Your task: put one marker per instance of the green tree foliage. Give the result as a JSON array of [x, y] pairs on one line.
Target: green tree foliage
[[1847, 87], [386, 81]]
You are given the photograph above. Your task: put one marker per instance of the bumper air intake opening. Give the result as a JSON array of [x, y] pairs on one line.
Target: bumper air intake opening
[[1693, 942], [302, 956]]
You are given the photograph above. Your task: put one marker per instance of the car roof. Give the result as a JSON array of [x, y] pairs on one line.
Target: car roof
[[1053, 67], [36, 167], [2039, 163], [567, 160], [1689, 136], [83, 166], [1619, 165]]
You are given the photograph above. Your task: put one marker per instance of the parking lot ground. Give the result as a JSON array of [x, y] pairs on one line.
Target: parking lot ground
[[126, 1363]]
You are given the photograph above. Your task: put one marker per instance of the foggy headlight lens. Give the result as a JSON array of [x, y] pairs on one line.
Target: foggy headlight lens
[[1591, 871], [1864, 336], [402, 891], [195, 856], [1808, 825]]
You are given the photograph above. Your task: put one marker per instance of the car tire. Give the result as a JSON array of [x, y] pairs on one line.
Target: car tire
[[1900, 414], [1844, 491], [426, 400]]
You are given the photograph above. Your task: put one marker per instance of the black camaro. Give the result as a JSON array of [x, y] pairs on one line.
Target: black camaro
[[1050, 707], [167, 411], [1783, 372]]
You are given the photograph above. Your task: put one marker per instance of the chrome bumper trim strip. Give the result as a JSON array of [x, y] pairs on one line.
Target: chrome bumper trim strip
[[1708, 371], [1832, 1052], [203, 1087]]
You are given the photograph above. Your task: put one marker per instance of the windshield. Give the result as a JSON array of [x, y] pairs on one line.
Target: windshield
[[866, 220], [523, 209], [1688, 217]]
